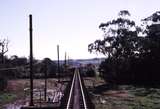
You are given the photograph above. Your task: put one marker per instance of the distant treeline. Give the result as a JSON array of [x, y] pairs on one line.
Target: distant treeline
[[132, 51], [18, 67]]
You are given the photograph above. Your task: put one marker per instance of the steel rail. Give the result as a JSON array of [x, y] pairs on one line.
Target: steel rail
[[84, 100], [71, 90]]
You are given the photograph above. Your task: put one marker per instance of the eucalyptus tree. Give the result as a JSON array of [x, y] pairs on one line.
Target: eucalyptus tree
[[151, 48], [152, 31], [119, 44]]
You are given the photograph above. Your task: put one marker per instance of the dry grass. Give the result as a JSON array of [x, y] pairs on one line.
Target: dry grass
[[123, 96], [15, 92], [21, 84]]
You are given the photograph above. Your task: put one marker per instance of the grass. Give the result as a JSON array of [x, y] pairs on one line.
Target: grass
[[6, 98], [123, 96]]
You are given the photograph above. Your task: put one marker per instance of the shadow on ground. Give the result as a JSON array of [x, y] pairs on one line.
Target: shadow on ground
[[104, 87]]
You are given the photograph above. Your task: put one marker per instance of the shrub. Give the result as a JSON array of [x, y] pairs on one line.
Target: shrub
[[3, 83]]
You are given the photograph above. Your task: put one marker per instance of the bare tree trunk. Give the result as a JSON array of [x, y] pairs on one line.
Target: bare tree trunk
[[4, 49]]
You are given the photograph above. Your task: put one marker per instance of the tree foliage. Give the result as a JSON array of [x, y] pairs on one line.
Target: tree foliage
[[130, 57], [119, 37]]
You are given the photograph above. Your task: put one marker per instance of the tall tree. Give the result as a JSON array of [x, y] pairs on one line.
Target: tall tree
[[152, 31], [119, 38], [119, 44]]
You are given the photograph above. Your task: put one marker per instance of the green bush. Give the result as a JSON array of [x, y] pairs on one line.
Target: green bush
[[3, 83]]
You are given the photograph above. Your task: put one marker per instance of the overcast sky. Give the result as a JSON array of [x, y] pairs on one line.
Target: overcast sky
[[72, 24]]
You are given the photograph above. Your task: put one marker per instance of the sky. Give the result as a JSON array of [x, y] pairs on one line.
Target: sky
[[71, 24]]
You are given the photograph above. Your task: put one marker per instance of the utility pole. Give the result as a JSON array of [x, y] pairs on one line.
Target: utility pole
[[65, 62], [31, 62], [58, 63], [68, 60], [45, 85]]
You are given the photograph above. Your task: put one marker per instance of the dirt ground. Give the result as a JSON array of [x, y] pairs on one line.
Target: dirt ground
[[103, 96], [21, 84], [17, 91]]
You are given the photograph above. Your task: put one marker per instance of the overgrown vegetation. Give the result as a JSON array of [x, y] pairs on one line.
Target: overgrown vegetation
[[6, 98], [107, 96], [3, 83], [132, 52], [18, 67]]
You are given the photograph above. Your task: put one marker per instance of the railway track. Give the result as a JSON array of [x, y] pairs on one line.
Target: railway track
[[77, 96]]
